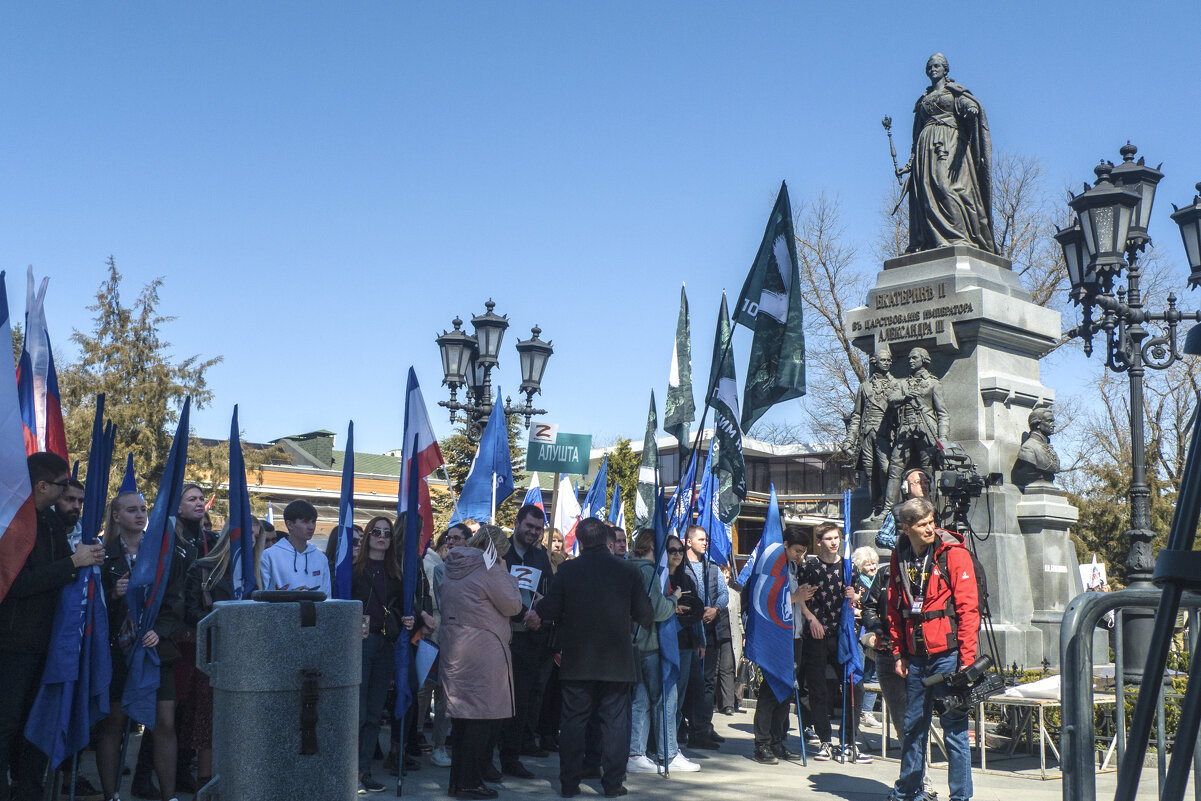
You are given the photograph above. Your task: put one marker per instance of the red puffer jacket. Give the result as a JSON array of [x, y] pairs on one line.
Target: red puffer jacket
[[950, 611]]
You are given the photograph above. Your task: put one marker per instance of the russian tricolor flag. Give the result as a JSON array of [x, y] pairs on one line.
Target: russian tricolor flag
[[37, 381], [568, 514], [533, 495], [18, 522], [428, 455]]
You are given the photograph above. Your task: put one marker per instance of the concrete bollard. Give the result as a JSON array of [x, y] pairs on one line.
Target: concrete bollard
[[285, 678]]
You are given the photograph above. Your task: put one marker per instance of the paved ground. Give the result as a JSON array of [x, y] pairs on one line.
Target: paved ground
[[731, 775]]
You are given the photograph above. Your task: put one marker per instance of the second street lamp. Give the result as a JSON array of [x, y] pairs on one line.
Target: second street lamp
[[1110, 232], [468, 361]]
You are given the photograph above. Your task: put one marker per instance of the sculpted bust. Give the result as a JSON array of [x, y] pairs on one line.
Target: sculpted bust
[[1037, 460]]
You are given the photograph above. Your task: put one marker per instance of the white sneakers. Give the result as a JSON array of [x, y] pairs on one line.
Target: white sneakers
[[439, 758], [868, 721], [679, 763], [682, 764], [640, 764]]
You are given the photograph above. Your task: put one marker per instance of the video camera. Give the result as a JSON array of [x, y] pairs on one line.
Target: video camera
[[957, 473], [966, 688]]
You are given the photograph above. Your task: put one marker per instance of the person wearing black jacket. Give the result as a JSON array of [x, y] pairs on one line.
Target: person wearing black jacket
[[875, 639], [531, 650], [595, 598], [123, 539], [26, 618], [690, 611], [376, 583]]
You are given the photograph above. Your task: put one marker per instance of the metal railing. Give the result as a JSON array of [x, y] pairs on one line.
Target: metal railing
[[1078, 736]]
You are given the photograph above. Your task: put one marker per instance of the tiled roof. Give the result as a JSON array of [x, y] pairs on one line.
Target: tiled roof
[[375, 464]]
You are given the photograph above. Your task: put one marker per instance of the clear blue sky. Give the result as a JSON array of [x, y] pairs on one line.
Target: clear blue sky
[[323, 186]]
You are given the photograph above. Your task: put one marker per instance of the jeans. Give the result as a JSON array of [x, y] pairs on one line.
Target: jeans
[[869, 675], [378, 667], [918, 712], [648, 706]]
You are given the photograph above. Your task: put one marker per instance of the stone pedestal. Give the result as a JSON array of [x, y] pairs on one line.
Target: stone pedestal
[[985, 338]]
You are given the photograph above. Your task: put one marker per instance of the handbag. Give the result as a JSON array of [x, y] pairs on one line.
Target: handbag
[[392, 626]]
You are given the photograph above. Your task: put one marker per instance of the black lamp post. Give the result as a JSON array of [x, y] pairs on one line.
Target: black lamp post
[[1110, 232], [468, 361]]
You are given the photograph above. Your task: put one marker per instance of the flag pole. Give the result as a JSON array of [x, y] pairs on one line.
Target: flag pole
[[800, 720], [492, 512], [663, 703], [454, 499]]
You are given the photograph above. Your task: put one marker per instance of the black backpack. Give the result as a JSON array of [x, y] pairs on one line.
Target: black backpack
[[981, 578]]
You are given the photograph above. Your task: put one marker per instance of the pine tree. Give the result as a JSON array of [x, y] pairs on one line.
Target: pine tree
[[125, 357], [623, 472]]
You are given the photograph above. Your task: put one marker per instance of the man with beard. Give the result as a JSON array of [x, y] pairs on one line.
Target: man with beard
[[532, 656]]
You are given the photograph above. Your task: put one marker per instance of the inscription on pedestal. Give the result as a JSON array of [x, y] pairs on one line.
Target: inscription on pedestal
[[925, 311]]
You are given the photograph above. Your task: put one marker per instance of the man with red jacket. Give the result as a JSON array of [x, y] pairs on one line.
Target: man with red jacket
[[933, 619]]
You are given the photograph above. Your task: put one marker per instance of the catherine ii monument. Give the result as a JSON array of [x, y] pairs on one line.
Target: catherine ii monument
[[954, 341]]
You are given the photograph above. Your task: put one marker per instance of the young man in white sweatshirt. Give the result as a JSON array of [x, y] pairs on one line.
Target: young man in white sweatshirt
[[294, 563]]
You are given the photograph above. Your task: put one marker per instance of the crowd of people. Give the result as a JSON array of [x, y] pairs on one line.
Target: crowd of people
[[539, 650]]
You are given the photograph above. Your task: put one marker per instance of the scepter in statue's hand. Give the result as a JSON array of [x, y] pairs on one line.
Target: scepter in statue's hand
[[897, 169], [887, 123]]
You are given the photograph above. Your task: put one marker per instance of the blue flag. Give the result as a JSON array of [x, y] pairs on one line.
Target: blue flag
[[669, 644], [594, 501], [148, 580], [617, 512], [684, 499], [849, 652], [769, 618], [243, 571], [343, 555], [707, 502], [128, 482], [491, 470], [75, 683], [408, 583]]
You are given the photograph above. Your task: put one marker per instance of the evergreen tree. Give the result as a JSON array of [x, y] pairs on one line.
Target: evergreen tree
[[125, 357], [18, 339], [623, 472]]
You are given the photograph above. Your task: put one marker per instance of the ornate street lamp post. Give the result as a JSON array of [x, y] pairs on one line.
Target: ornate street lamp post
[[1110, 232], [468, 361]]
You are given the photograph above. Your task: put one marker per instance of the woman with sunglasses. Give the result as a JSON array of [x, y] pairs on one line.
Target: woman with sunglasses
[[648, 704], [376, 582], [689, 611]]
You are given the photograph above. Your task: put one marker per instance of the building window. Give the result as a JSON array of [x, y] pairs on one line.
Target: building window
[[669, 469]]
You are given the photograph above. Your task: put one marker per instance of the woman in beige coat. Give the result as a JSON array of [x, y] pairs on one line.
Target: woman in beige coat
[[477, 673]]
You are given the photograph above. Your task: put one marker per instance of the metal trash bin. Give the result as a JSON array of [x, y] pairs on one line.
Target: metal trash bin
[[285, 677]]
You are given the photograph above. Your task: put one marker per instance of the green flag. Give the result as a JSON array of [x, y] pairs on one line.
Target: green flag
[[648, 473], [770, 304], [723, 399], [678, 409]]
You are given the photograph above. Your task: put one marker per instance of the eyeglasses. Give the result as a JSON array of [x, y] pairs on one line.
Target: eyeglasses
[[380, 532], [675, 550], [63, 484]]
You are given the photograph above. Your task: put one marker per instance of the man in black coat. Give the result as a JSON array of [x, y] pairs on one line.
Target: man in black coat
[[595, 598], [26, 620]]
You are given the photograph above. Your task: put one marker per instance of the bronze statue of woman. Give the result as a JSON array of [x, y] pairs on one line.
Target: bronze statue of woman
[[950, 168]]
